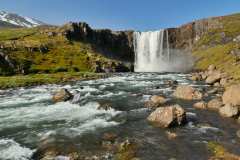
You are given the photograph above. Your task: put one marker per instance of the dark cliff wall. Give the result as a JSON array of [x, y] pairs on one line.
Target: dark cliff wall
[[113, 44], [186, 36]]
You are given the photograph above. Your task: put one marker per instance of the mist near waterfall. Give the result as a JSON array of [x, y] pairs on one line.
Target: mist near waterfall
[[153, 54]]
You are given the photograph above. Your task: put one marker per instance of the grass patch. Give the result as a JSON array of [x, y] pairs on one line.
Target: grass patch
[[39, 79]]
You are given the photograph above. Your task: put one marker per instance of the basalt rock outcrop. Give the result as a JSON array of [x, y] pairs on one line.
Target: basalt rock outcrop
[[113, 44]]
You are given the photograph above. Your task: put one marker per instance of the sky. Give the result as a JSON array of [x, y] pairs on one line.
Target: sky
[[139, 15]]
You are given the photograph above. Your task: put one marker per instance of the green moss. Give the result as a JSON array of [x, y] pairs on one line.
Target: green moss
[[13, 34], [220, 56], [219, 152]]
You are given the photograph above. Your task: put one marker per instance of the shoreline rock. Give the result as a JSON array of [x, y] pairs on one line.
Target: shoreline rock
[[169, 116]]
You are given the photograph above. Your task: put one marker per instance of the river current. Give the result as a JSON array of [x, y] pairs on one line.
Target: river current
[[28, 116]]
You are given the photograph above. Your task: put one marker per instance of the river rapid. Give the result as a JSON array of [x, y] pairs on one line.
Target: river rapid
[[28, 116]]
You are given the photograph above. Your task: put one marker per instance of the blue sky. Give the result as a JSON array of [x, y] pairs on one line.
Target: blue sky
[[122, 14]]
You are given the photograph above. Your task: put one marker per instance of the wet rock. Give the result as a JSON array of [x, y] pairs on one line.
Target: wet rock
[[187, 93], [169, 116], [171, 82], [211, 67], [229, 111], [213, 91], [171, 135], [213, 77], [127, 150], [200, 105], [155, 101], [214, 104], [104, 106], [196, 77], [232, 95], [217, 84], [238, 133], [62, 95], [109, 137]]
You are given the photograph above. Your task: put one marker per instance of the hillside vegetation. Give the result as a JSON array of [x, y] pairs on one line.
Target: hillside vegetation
[[221, 46], [47, 50]]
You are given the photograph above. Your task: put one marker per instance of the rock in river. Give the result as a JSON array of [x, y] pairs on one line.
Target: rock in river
[[214, 104], [155, 101], [187, 93], [200, 105], [168, 116], [62, 95], [229, 111], [232, 95], [213, 77]]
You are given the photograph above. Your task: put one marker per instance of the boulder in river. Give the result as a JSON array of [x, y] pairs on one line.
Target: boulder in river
[[229, 111], [155, 101], [187, 93], [200, 105], [232, 95], [214, 76], [62, 95], [214, 104], [168, 116]]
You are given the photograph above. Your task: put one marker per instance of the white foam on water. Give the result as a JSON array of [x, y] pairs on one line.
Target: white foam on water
[[32, 115], [11, 150]]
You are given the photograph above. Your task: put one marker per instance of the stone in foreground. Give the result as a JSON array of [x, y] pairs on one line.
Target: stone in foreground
[[187, 93], [214, 77], [155, 101], [229, 111], [200, 105], [169, 116], [214, 104], [62, 95], [232, 95]]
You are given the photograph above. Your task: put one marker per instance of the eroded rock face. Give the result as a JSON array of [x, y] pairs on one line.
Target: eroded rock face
[[169, 116], [116, 44], [232, 95], [6, 65], [214, 104], [62, 95], [187, 93], [229, 111]]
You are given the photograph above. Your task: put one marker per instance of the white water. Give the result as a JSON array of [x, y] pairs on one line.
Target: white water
[[153, 53]]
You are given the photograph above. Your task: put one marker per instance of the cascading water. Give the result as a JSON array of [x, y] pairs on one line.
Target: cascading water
[[152, 52]]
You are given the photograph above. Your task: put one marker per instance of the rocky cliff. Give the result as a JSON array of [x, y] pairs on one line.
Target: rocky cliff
[[113, 44]]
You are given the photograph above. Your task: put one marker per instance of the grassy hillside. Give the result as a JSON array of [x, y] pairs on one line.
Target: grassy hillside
[[219, 47], [46, 50]]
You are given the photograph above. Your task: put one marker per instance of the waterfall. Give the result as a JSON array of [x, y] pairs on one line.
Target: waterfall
[[152, 53]]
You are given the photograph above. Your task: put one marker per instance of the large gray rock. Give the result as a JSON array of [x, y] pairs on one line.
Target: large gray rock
[[187, 93], [169, 116], [229, 111], [232, 95], [62, 95], [214, 76], [214, 104]]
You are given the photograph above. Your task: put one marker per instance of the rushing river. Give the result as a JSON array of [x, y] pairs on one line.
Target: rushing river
[[28, 116]]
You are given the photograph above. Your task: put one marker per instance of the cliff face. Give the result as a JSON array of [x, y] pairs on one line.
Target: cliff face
[[113, 44]]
